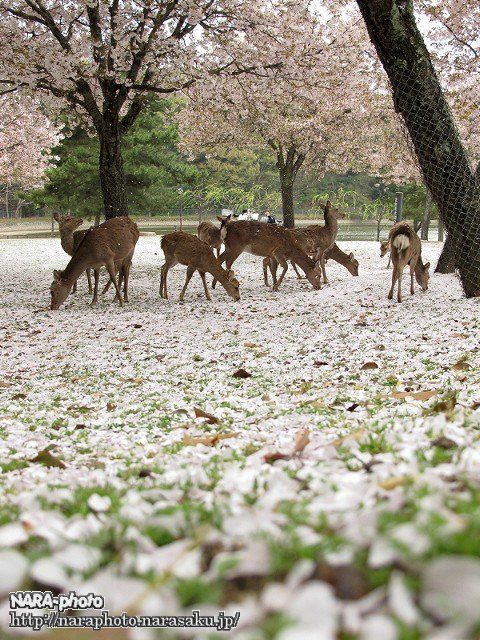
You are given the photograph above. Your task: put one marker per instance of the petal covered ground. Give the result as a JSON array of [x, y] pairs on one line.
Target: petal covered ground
[[333, 493]]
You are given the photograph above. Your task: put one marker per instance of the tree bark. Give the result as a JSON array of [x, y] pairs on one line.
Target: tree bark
[[426, 216], [446, 262], [419, 99], [288, 165], [112, 175]]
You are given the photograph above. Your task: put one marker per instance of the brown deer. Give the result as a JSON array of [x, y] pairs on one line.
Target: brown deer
[[347, 260], [269, 241], [196, 255], [112, 245], [70, 239], [406, 248], [210, 233], [326, 235]]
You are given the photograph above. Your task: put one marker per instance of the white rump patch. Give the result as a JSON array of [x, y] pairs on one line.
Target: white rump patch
[[401, 242]]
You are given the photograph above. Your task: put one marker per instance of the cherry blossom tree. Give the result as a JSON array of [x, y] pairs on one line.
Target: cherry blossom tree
[[324, 112], [26, 139], [100, 59]]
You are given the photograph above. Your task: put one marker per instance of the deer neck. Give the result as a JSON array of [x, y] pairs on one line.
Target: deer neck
[[331, 225], [74, 269], [66, 240], [218, 272], [302, 259]]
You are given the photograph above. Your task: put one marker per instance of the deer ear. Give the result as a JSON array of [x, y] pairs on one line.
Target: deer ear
[[329, 204], [426, 266], [57, 275], [220, 218], [350, 255]]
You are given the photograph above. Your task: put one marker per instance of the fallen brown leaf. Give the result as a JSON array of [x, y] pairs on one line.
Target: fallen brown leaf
[[241, 373], [444, 443], [393, 483], [416, 395], [200, 413], [46, 458], [209, 440], [301, 440], [353, 435], [111, 406], [369, 365]]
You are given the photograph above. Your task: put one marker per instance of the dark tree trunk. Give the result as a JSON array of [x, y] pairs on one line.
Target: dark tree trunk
[[418, 97], [446, 262], [112, 176], [288, 165], [287, 204], [426, 216]]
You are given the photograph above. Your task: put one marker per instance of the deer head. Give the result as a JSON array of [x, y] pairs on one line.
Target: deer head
[[329, 209], [314, 276], [422, 276], [67, 223], [59, 290], [352, 264], [384, 248], [233, 286]]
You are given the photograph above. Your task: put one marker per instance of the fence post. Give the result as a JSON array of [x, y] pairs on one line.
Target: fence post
[[53, 225], [398, 206]]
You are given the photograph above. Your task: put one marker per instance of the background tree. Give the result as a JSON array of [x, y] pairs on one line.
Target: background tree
[[419, 99], [26, 139], [100, 59]]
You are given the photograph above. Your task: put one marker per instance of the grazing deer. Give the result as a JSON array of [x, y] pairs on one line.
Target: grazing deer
[[210, 233], [267, 240], [111, 245], [406, 248], [347, 260], [196, 255], [70, 239]]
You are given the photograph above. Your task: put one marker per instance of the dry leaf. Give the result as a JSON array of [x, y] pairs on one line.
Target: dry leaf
[[461, 365], [444, 443], [417, 395], [209, 440], [200, 413], [48, 459], [301, 440], [250, 345], [354, 435], [111, 406], [241, 373], [393, 483], [369, 365]]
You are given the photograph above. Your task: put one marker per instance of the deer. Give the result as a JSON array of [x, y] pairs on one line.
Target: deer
[[183, 248], [406, 248], [70, 239], [269, 241], [210, 233], [347, 260], [112, 245], [319, 241]]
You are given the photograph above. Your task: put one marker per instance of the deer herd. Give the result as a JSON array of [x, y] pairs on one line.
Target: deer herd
[[112, 245]]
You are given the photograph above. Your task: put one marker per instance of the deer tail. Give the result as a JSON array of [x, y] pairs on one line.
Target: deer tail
[[401, 242]]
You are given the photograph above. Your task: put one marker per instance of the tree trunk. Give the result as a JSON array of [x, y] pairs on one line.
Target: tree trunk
[[441, 229], [288, 165], [446, 262], [287, 203], [112, 176], [426, 216], [419, 99]]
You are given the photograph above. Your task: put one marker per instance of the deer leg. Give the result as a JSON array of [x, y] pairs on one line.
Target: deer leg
[[412, 278], [111, 270], [284, 264], [126, 277], [74, 287], [273, 270], [89, 280], [121, 274], [324, 273], [163, 281], [389, 260], [96, 277], [394, 279], [400, 274], [205, 288], [190, 271], [296, 269], [266, 263]]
